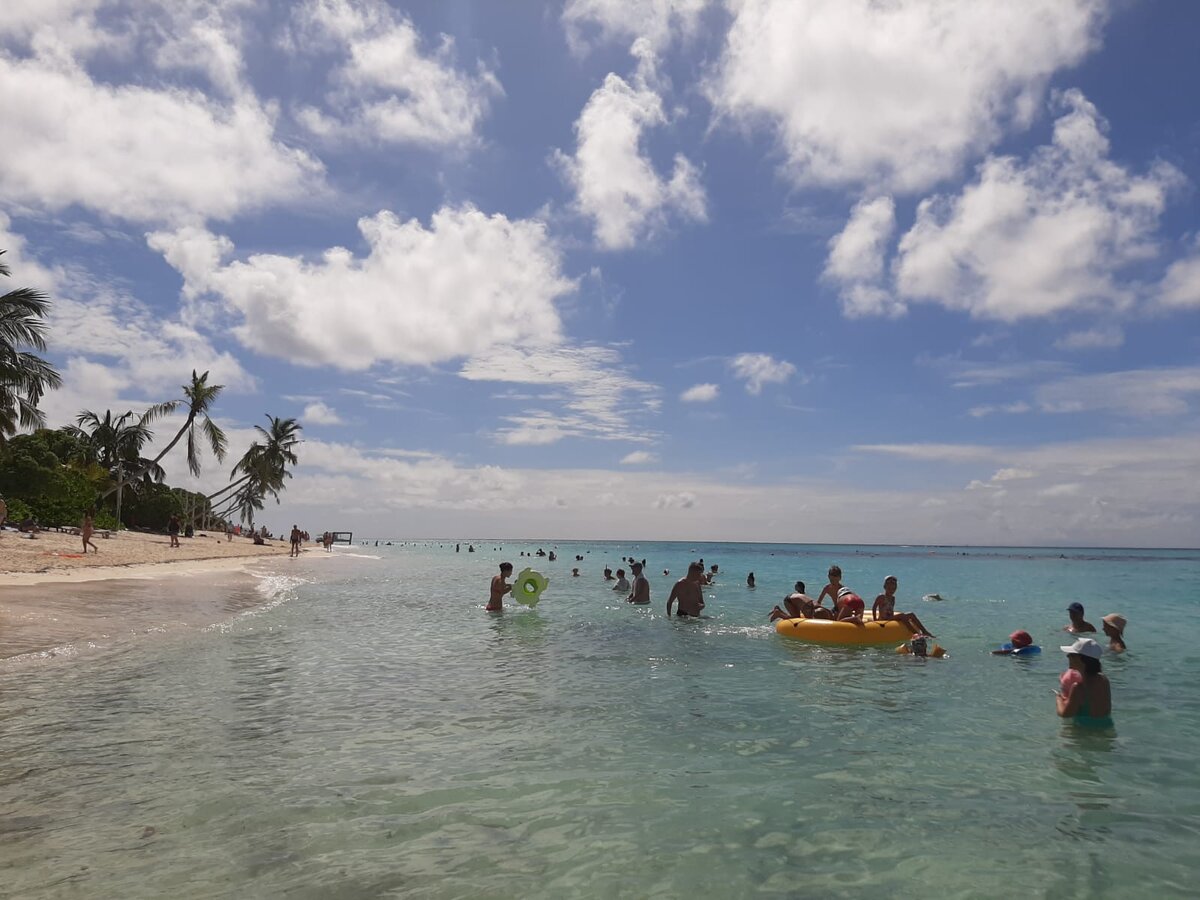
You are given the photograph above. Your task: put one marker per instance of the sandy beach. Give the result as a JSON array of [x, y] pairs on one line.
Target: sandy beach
[[54, 556]]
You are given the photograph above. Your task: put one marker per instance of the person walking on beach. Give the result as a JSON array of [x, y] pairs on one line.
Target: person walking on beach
[[295, 538], [500, 587], [1087, 702], [173, 530], [85, 532], [687, 593], [640, 594]]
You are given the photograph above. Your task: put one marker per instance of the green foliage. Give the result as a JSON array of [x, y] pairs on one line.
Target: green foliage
[[64, 501], [105, 521], [18, 510], [51, 491]]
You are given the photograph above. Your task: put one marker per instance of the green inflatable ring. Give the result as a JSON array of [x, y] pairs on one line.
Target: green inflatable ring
[[528, 587]]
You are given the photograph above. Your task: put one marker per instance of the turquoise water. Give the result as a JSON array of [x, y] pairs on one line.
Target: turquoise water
[[359, 727]]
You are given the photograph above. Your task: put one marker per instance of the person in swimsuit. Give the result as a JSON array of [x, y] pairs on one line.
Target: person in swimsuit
[[500, 587], [1114, 629], [1078, 625], [884, 609], [640, 594], [1087, 702], [173, 530], [849, 607], [687, 593], [798, 605], [85, 532], [622, 584], [831, 589]]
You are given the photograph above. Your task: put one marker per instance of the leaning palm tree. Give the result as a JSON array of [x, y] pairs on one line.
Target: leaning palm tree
[[197, 427], [263, 468], [24, 376]]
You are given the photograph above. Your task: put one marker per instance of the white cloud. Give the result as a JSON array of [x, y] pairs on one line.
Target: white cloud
[[856, 258], [615, 184], [1015, 408], [1036, 239], [639, 458], [467, 283], [1105, 338], [201, 158], [700, 393], [389, 87], [758, 369], [654, 21], [682, 500], [894, 95], [318, 413], [1011, 474], [1137, 392], [949, 453], [1180, 288], [601, 400]]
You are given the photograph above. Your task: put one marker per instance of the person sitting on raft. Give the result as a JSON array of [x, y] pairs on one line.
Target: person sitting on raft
[[1088, 702], [1078, 625], [919, 646], [687, 593], [1114, 629], [884, 608], [850, 607], [1017, 641], [500, 587], [798, 605]]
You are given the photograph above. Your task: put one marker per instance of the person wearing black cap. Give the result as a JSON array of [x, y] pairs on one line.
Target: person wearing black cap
[[1078, 625]]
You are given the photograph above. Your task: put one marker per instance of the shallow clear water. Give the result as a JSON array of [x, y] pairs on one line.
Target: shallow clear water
[[370, 731]]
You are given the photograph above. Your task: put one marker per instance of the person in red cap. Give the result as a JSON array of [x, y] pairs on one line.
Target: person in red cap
[[1019, 643]]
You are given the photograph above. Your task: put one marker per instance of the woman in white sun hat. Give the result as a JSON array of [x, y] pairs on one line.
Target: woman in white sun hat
[[1089, 701]]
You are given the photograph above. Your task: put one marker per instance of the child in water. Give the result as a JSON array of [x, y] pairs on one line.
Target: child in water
[[1017, 641], [919, 646], [500, 587], [884, 609]]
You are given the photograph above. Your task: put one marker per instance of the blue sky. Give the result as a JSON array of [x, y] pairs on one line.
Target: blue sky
[[829, 270]]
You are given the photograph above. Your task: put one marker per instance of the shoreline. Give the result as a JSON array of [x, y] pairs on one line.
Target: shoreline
[[135, 571]]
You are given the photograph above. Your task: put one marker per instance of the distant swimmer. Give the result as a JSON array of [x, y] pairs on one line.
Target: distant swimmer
[[687, 593], [931, 598], [640, 593], [500, 587], [750, 580]]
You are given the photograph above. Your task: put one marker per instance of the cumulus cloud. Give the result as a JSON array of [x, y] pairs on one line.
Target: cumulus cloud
[[387, 85], [465, 284], [600, 400], [758, 369], [318, 413], [1039, 238], [856, 259], [700, 393], [615, 182], [655, 21], [1180, 288], [639, 458], [682, 500], [201, 159], [894, 95]]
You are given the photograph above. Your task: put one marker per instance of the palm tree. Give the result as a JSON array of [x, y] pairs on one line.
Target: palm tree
[[263, 468], [115, 443], [197, 427], [24, 376]]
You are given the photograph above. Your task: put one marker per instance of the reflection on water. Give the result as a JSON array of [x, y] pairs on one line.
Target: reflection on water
[[364, 736]]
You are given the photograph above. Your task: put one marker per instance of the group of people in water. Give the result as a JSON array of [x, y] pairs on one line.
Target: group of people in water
[[1084, 696]]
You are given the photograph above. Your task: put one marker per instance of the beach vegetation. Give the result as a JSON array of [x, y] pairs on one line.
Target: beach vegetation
[[262, 471], [54, 490], [24, 376]]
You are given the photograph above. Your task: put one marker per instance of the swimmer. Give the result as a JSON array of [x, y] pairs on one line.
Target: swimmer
[[919, 646], [1089, 701], [687, 593], [1018, 640], [640, 593], [750, 580], [574, 573], [884, 609], [500, 587], [1114, 629], [608, 575], [1078, 625], [622, 584]]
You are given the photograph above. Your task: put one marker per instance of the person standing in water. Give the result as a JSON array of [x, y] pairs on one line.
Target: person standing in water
[[1078, 625], [1087, 702], [1114, 629], [687, 593], [500, 587], [640, 594]]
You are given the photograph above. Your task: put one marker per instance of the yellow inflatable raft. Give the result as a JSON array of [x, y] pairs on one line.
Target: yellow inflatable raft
[[826, 631]]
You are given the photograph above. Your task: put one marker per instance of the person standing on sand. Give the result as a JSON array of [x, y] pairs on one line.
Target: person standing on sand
[[173, 530], [86, 530], [295, 539], [640, 594], [500, 587], [687, 593]]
